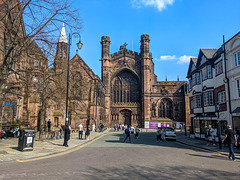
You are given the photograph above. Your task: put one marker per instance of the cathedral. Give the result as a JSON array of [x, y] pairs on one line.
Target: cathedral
[[127, 92], [133, 95]]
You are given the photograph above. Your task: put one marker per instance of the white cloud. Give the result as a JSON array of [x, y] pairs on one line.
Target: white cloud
[[180, 60], [184, 59], [159, 4]]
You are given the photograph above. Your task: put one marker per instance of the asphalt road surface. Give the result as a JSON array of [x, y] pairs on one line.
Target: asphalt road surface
[[110, 158]]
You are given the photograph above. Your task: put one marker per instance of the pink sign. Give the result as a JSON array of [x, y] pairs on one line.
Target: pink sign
[[153, 125]]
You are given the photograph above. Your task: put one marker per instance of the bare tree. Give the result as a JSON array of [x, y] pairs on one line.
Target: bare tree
[[21, 22]]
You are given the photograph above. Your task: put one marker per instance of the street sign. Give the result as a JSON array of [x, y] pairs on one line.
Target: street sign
[[218, 107], [8, 104]]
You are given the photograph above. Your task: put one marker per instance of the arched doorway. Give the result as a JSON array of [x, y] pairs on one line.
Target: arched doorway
[[125, 117]]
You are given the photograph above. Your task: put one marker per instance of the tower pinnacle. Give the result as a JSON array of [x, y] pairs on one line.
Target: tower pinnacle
[[63, 36]]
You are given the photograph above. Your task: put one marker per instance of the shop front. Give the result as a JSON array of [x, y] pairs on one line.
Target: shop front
[[236, 119], [201, 123]]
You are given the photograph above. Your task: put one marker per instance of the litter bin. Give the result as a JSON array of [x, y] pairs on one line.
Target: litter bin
[[26, 139]]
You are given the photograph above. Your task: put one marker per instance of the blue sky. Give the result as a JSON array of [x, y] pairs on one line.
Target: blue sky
[[177, 29]]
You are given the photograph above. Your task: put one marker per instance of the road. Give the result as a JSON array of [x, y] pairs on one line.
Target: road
[[109, 158]]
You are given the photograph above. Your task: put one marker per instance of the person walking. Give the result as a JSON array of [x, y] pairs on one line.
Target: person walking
[[93, 127], [159, 133], [207, 135], [80, 131], [231, 140], [49, 125], [87, 133], [132, 130], [128, 135], [213, 132], [163, 134], [137, 131], [66, 135], [115, 127]]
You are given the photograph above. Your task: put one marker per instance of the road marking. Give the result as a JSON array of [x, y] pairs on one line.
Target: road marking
[[62, 153]]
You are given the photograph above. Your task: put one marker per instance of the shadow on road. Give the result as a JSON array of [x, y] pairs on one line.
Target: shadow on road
[[149, 139], [163, 172]]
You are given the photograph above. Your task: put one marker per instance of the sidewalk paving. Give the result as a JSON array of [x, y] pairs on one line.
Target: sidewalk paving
[[200, 143], [9, 148]]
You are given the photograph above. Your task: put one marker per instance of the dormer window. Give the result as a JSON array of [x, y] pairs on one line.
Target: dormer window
[[36, 62], [207, 72]]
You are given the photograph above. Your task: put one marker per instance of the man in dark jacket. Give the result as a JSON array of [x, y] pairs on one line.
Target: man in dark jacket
[[128, 135], [231, 140], [66, 135]]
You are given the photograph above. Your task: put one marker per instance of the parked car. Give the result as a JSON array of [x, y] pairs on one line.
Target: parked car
[[170, 134]]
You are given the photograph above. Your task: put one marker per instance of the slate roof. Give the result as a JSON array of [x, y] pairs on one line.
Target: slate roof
[[209, 52]]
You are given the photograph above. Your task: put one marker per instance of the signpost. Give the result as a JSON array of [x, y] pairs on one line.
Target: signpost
[[218, 108]]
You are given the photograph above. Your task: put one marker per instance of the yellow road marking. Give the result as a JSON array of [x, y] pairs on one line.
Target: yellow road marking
[[62, 153]]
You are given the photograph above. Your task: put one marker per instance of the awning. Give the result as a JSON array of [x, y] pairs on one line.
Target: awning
[[236, 112]]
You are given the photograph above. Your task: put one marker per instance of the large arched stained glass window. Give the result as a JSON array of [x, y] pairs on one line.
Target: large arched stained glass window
[[125, 88], [165, 109]]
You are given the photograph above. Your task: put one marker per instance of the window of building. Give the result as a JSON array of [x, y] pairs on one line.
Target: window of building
[[219, 68], [238, 88], [208, 99], [221, 97], [207, 72], [125, 88], [237, 59], [35, 82], [36, 62], [192, 104], [197, 101], [165, 109]]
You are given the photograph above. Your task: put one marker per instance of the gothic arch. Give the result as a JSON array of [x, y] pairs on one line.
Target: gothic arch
[[125, 69], [165, 108]]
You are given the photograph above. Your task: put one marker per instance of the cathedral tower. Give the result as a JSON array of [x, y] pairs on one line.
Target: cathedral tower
[[60, 62]]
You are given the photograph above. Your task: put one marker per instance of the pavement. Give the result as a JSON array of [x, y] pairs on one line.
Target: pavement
[[41, 148], [200, 143], [9, 148]]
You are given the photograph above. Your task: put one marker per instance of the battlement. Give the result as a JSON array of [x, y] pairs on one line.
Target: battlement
[[145, 37], [127, 52], [105, 38], [170, 83]]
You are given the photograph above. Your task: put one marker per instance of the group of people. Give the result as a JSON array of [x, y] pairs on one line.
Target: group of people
[[86, 131], [129, 130], [120, 127], [161, 134], [210, 132]]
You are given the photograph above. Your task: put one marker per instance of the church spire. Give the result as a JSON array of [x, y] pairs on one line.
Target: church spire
[[63, 36]]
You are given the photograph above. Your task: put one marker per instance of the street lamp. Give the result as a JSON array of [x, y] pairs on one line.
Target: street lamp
[[79, 45]]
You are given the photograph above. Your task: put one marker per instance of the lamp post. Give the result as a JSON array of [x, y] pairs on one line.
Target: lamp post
[[79, 45]]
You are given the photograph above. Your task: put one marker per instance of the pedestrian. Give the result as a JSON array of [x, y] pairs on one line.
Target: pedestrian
[[132, 130], [114, 127], [49, 125], [159, 134], [101, 127], [137, 131], [118, 127], [4, 134], [87, 133], [80, 131], [207, 135], [213, 132], [66, 135], [163, 134], [122, 127], [231, 140], [128, 135], [93, 127]]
